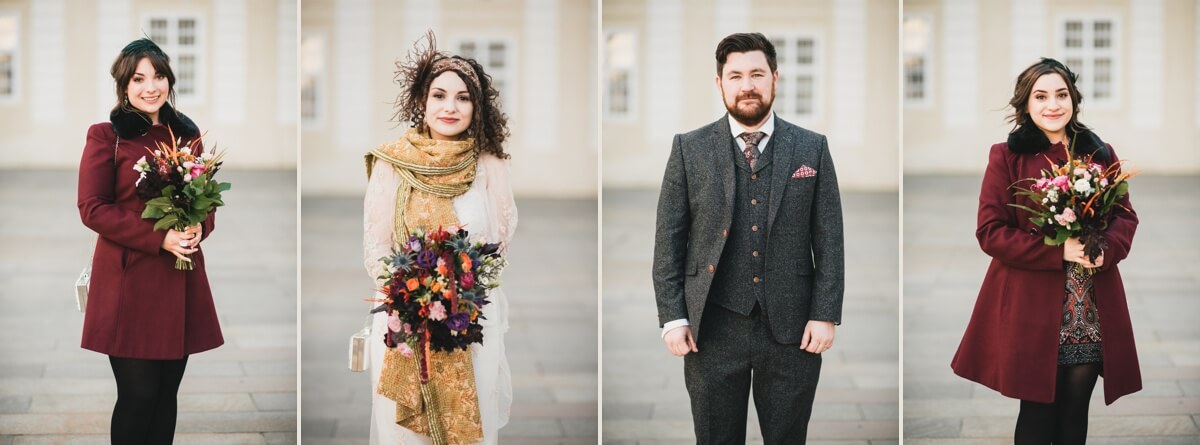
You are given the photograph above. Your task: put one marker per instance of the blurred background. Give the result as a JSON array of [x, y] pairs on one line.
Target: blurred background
[[542, 56], [1139, 66], [235, 65], [838, 68]]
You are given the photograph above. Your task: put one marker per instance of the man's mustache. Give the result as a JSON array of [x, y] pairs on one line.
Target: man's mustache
[[746, 96]]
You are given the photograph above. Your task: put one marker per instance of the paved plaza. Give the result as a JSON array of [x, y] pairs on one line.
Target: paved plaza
[[857, 402], [551, 345], [54, 392], [943, 268]]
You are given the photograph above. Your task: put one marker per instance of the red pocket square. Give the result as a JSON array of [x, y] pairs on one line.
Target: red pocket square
[[804, 172]]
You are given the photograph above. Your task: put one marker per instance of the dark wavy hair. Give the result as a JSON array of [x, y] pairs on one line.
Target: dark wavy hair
[[744, 42], [125, 67], [1020, 100], [489, 125]]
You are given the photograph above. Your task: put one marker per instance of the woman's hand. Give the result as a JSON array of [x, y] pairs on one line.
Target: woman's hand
[[1073, 252], [182, 243]]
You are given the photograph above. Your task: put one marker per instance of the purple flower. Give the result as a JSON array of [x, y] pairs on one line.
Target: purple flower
[[426, 259], [459, 321], [414, 244]]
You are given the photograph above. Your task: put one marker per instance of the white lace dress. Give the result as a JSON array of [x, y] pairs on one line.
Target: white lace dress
[[488, 212]]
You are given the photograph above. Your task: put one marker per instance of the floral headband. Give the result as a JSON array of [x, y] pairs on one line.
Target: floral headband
[[457, 65]]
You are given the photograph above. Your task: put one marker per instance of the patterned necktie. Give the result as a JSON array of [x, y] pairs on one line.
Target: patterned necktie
[[752, 140]]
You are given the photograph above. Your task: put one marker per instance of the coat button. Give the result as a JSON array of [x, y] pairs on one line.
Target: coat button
[[754, 253], [756, 280], [725, 233], [754, 176], [753, 228], [711, 268], [753, 201]]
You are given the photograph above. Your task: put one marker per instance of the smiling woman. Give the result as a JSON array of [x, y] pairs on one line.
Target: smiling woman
[[145, 315]]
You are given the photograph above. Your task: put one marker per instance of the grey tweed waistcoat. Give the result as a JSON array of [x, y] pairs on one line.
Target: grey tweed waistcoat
[[738, 285]]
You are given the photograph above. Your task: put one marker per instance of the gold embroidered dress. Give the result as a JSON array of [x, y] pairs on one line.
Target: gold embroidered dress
[[485, 207]]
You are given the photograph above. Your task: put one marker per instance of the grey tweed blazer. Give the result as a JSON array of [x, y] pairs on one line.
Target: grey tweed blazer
[[804, 277]]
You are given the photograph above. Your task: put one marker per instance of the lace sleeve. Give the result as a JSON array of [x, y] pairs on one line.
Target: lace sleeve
[[500, 194], [379, 209]]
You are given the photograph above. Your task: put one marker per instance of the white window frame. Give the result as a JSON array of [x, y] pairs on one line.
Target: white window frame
[[175, 52], [929, 66], [320, 102], [1088, 54], [15, 96], [508, 75], [790, 70], [630, 114]]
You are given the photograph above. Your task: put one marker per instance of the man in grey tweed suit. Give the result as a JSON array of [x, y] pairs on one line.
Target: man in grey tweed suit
[[748, 246]]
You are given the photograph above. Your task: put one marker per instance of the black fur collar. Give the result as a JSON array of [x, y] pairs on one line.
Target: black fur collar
[[1029, 139], [131, 124]]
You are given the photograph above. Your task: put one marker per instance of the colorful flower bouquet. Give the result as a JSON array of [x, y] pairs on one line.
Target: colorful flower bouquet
[[1075, 199], [178, 185], [436, 285]]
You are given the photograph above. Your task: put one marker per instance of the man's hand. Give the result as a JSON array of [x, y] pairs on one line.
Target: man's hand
[[818, 336], [680, 342]]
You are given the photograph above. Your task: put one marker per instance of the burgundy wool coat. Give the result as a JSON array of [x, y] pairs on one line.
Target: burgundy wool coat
[[139, 306], [1011, 342]]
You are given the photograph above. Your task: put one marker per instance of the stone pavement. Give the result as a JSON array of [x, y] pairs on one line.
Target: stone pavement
[[645, 401], [54, 392], [943, 268], [551, 345]]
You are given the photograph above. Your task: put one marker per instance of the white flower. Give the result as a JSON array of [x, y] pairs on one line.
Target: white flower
[[1052, 195], [1083, 186], [1103, 182], [179, 169], [187, 177], [157, 153], [1052, 209], [1045, 200], [188, 164], [185, 149], [140, 178], [206, 156]]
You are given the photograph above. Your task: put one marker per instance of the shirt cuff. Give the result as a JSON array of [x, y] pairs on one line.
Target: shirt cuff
[[674, 324]]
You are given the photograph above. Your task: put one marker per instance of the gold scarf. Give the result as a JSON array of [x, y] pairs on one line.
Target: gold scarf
[[432, 173]]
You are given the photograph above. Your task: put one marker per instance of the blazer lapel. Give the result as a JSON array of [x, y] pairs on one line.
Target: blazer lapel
[[783, 146], [724, 159]]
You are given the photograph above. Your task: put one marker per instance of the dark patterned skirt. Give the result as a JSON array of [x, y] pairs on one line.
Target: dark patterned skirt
[[1079, 337]]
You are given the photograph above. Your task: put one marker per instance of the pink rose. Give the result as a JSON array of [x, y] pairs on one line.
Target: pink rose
[[467, 280], [404, 349], [1062, 182], [437, 312], [394, 323], [1067, 217]]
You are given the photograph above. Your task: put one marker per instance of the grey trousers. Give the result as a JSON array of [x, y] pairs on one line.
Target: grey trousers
[[737, 354]]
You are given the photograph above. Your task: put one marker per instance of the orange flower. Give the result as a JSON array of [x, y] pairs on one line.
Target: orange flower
[[412, 284], [466, 261], [436, 286]]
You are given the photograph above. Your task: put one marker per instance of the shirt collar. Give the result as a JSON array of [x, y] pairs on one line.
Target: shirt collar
[[737, 129]]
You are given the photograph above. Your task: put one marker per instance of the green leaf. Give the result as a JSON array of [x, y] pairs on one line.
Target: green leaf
[[166, 222], [225, 186]]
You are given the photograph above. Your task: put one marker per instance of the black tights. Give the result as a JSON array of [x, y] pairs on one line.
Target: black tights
[[146, 403], [1065, 421]]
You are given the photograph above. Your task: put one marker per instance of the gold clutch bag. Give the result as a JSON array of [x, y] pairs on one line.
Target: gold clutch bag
[[81, 288], [358, 347]]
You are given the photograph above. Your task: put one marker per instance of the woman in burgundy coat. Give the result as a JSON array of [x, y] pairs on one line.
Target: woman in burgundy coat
[[142, 312], [1043, 329]]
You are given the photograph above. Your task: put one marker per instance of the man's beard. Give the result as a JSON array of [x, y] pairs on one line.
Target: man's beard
[[752, 114]]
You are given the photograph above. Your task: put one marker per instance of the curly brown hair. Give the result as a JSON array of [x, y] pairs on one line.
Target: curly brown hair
[[489, 125], [1024, 88]]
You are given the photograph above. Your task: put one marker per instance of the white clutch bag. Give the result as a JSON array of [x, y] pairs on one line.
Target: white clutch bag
[[358, 347], [81, 288]]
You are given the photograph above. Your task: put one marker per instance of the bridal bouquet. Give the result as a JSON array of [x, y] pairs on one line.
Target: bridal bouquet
[[1075, 199], [436, 285], [177, 184]]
